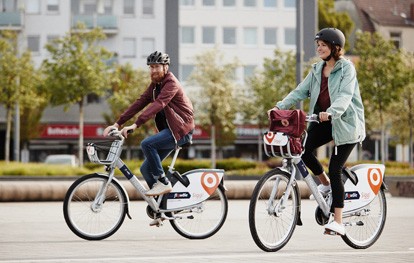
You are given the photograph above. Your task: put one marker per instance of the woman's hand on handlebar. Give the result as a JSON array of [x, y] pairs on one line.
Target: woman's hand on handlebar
[[324, 116], [128, 129], [110, 128]]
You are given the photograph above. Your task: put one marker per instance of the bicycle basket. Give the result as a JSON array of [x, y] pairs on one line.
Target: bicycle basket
[[282, 145], [105, 152]]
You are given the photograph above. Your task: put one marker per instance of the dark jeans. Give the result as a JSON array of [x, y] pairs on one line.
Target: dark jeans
[[318, 135], [156, 148]]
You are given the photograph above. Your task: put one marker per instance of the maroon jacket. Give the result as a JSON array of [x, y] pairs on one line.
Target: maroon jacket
[[177, 107]]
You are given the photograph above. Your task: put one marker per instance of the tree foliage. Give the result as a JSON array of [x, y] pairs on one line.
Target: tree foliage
[[329, 17], [19, 83], [76, 68], [216, 101], [271, 84], [381, 79]]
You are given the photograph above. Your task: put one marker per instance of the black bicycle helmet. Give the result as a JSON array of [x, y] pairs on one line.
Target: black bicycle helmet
[[158, 58], [331, 35]]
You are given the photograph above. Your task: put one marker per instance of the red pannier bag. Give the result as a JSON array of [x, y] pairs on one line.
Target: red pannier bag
[[285, 133], [290, 122]]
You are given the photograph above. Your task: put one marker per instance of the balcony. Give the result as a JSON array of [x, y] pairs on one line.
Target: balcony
[[11, 21], [108, 23]]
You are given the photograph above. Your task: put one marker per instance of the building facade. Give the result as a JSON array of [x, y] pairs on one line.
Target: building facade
[[249, 30]]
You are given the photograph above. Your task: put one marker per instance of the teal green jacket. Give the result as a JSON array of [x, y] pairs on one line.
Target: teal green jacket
[[347, 110]]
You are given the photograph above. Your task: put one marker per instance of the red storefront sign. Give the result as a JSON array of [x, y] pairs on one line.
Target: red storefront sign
[[70, 131]]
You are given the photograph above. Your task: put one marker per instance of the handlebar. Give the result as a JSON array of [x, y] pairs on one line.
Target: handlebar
[[314, 118]]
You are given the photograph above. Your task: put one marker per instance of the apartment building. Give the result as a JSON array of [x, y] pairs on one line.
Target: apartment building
[[248, 30]]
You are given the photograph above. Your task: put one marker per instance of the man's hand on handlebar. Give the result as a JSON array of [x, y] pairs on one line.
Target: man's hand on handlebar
[[128, 129], [110, 128]]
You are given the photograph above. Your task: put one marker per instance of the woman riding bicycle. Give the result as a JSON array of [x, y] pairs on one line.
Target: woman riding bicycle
[[333, 89]]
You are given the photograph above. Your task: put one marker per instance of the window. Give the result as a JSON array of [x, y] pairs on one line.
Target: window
[[209, 35], [270, 36], [53, 6], [33, 44], [33, 7], [396, 38], [148, 7], [148, 46], [185, 72], [248, 71], [8, 6], [290, 36], [290, 3], [187, 2], [270, 3], [209, 2], [89, 7], [250, 36], [229, 35], [249, 3], [107, 7], [187, 35], [129, 7], [51, 38], [228, 3], [129, 47]]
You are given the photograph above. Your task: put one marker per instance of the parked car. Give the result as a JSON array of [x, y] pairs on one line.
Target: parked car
[[65, 159]]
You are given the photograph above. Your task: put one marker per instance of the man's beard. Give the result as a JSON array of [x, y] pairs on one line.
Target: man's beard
[[157, 77]]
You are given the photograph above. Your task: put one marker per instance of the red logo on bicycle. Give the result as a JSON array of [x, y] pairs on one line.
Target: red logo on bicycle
[[375, 179], [209, 181], [269, 137]]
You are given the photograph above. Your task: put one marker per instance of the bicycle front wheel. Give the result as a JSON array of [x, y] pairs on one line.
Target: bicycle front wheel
[[363, 228], [272, 215], [204, 219], [86, 216]]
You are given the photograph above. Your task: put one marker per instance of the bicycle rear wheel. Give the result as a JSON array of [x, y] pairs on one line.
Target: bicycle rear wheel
[[203, 220], [273, 220], [85, 217], [364, 227]]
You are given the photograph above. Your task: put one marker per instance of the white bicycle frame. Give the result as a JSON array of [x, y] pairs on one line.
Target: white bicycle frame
[[201, 182], [362, 182]]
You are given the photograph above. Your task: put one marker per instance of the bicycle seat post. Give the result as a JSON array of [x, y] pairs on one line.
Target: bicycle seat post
[[171, 166]]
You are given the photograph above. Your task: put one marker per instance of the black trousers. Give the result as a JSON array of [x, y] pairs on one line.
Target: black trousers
[[320, 134]]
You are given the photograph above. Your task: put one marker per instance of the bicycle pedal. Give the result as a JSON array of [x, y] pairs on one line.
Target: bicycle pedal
[[331, 233]]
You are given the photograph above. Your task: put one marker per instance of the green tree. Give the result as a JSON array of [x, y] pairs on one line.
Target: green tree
[[127, 85], [329, 17], [216, 101], [265, 88], [18, 80], [403, 122], [76, 68], [381, 78]]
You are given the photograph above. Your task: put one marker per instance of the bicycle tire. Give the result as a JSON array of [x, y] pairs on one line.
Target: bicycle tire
[[272, 230], [363, 228], [88, 221], [203, 220]]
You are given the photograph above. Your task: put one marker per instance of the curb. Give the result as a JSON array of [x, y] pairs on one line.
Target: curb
[[55, 190], [23, 189]]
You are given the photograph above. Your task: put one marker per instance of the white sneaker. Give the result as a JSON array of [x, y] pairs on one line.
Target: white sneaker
[[323, 189], [334, 228], [159, 189]]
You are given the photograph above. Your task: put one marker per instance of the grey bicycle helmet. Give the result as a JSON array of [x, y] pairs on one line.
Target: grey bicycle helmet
[[158, 58], [331, 35]]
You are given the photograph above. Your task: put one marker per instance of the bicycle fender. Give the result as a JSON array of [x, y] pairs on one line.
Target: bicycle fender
[[116, 181], [202, 183], [370, 179]]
